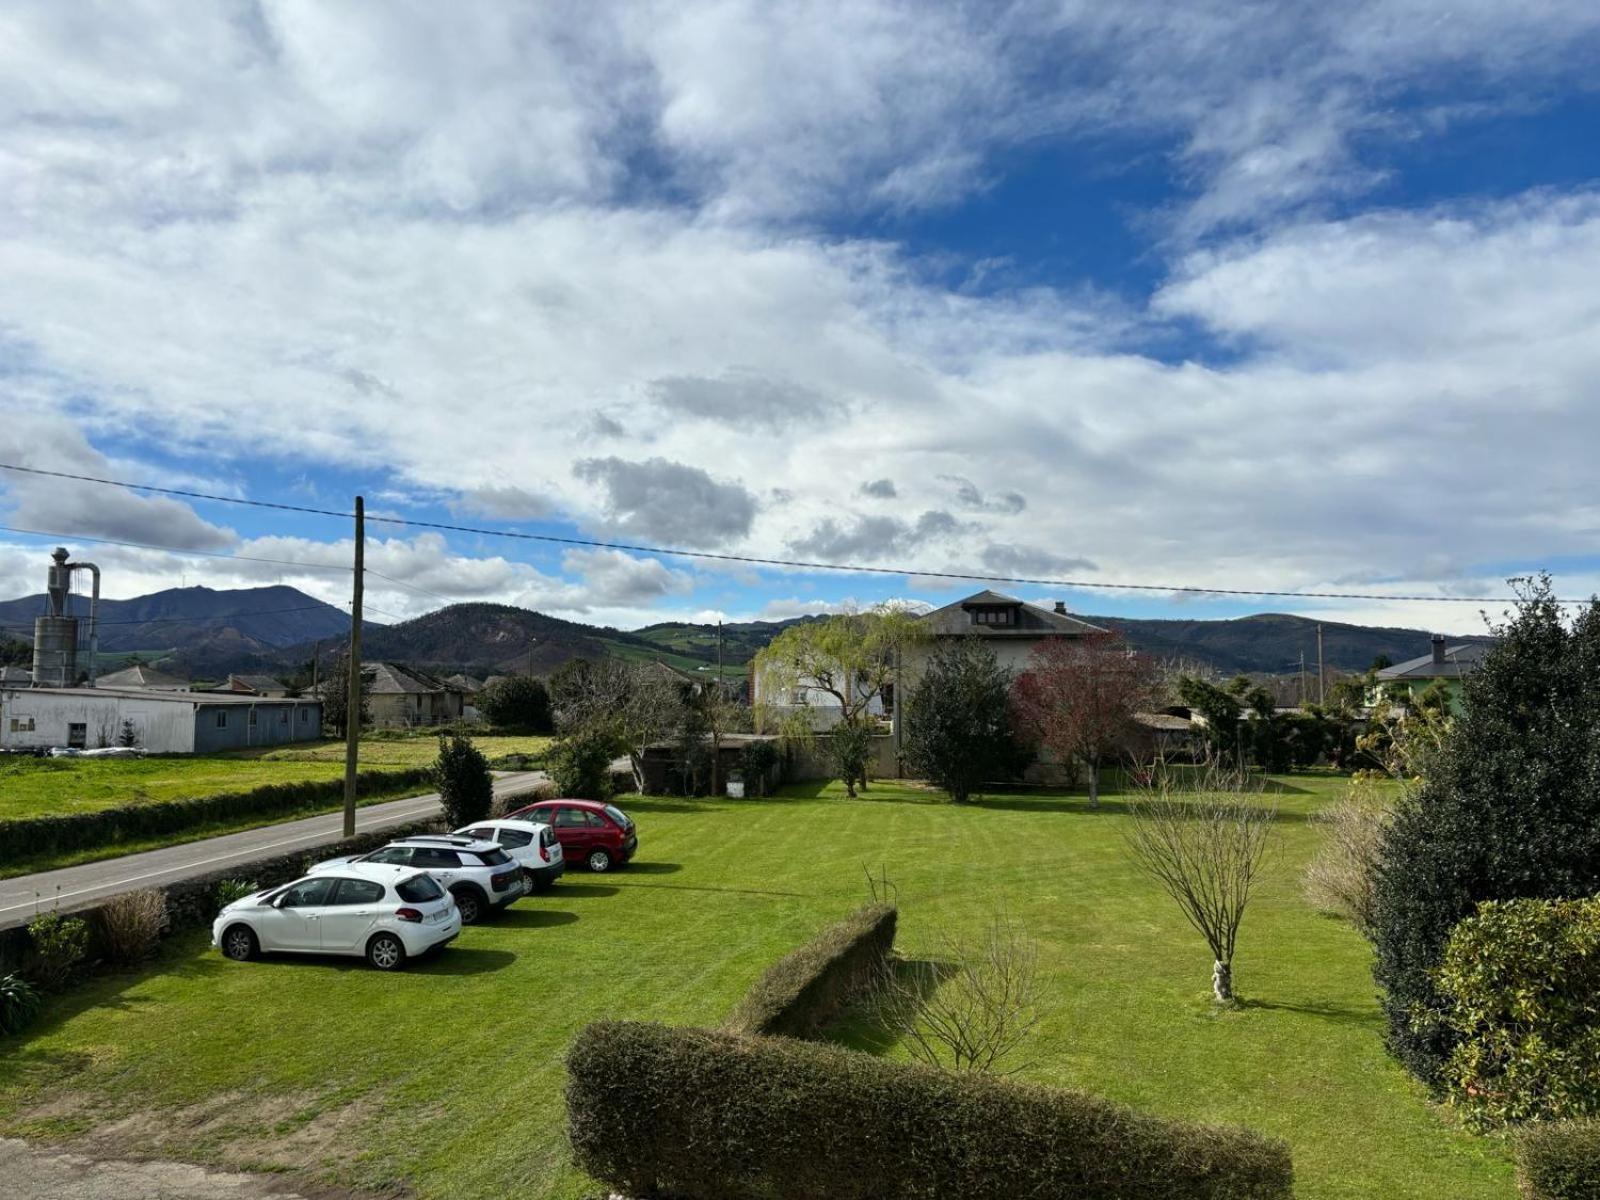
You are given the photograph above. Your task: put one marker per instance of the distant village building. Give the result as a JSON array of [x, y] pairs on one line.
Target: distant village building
[[142, 678], [1444, 664], [160, 721], [255, 685], [403, 698]]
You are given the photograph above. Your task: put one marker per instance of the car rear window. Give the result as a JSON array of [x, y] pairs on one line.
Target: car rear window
[[419, 889], [516, 838], [617, 815], [491, 858]]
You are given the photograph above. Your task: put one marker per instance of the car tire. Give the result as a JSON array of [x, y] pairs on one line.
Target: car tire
[[599, 861], [239, 943], [386, 952], [471, 904], [538, 885]]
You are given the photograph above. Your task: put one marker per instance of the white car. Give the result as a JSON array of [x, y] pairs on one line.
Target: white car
[[385, 919], [531, 844], [479, 875]]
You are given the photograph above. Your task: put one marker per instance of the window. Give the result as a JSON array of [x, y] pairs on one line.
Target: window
[[305, 715], [419, 889], [21, 724], [427, 856], [483, 833], [516, 838], [77, 737], [308, 893], [993, 616], [283, 716], [491, 858], [397, 856], [617, 815], [222, 718], [570, 818], [357, 891]]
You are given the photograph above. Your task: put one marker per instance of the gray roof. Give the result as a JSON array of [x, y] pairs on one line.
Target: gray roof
[[1032, 620], [390, 679], [258, 683], [205, 699], [465, 683], [1458, 661], [141, 676]]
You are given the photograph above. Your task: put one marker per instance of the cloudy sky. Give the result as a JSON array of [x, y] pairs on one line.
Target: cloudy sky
[[1256, 295]]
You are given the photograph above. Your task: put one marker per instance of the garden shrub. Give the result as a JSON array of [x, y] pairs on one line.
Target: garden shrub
[[1341, 877], [1521, 985], [1559, 1160], [1509, 808], [715, 1116], [803, 991], [757, 760], [59, 944], [461, 774], [69, 832], [516, 702], [131, 925], [580, 765], [230, 890], [19, 1004]]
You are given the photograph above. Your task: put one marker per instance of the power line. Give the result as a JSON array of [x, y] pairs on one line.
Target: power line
[[754, 560], [105, 541]]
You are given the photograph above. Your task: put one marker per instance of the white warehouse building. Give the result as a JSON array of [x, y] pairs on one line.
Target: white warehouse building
[[160, 722]]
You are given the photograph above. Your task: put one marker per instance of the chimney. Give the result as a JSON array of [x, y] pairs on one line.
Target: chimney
[[1438, 648], [1061, 607]]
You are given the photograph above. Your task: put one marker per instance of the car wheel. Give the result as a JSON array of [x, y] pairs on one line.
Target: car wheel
[[538, 885], [239, 944], [470, 905], [599, 861], [386, 952]]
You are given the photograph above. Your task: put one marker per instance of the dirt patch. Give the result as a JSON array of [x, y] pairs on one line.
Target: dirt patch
[[35, 1172]]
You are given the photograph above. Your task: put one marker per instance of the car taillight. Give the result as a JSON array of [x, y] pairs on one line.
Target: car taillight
[[408, 914], [503, 880], [544, 854]]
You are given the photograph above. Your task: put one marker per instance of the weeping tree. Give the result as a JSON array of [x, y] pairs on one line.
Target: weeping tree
[[1205, 845], [846, 661]]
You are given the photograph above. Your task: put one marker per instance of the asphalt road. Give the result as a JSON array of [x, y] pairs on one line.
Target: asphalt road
[[78, 887]]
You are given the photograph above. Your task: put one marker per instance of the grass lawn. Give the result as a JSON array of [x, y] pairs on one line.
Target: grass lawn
[[34, 787], [448, 1077]]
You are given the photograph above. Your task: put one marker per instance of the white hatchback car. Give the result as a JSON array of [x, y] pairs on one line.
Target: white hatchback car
[[384, 918], [531, 845]]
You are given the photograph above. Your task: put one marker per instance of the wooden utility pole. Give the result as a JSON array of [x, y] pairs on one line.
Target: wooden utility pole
[[1322, 670], [721, 693], [316, 661], [352, 698]]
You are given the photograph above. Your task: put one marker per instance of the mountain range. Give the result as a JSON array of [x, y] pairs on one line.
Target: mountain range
[[207, 633]]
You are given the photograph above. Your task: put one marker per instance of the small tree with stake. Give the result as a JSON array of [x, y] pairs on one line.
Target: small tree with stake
[[461, 774], [1206, 852], [336, 697], [1078, 697]]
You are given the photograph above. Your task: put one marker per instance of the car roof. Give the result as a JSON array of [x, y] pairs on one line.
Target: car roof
[[596, 805], [507, 823], [447, 840], [376, 872]]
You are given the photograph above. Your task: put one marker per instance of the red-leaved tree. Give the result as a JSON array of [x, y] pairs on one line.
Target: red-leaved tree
[[1078, 697]]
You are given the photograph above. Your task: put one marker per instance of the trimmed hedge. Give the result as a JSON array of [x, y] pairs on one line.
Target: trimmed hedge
[[69, 832], [805, 990], [1560, 1161], [715, 1116]]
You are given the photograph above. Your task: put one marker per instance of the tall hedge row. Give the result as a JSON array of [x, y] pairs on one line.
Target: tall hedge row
[[1559, 1160], [69, 832], [805, 990], [700, 1115]]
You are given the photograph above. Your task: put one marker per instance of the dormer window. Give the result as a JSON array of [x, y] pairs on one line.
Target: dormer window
[[994, 616]]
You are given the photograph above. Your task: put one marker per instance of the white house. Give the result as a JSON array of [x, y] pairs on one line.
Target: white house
[[162, 722]]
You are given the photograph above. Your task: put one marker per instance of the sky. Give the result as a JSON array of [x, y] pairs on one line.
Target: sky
[[1282, 296]]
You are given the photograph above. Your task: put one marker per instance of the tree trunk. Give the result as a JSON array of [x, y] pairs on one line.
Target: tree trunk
[[636, 761], [1222, 982], [1094, 784]]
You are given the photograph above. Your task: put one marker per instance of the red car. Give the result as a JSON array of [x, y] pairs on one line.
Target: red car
[[600, 836]]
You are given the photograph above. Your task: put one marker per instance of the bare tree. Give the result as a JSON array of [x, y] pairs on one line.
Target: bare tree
[[1342, 875], [1205, 844], [636, 704], [973, 1006]]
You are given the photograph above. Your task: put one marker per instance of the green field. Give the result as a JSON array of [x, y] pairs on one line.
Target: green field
[[36, 787], [449, 1076]]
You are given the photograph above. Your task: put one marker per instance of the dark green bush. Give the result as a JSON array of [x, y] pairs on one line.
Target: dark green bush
[[59, 945], [714, 1116], [516, 702], [69, 832], [1509, 808], [461, 774], [1521, 985], [757, 760], [580, 765], [19, 1004], [958, 718], [1559, 1161], [803, 991], [230, 890]]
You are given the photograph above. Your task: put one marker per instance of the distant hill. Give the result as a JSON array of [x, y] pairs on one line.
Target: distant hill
[[254, 620], [205, 633]]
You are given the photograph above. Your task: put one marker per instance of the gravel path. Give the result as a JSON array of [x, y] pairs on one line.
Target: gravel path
[[49, 1173]]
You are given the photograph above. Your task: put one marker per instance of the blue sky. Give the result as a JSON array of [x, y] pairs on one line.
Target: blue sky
[[1271, 296]]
